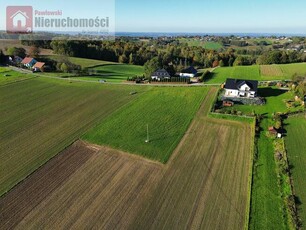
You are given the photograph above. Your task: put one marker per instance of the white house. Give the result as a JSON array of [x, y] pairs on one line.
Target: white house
[[190, 72], [19, 19], [160, 74], [241, 88]]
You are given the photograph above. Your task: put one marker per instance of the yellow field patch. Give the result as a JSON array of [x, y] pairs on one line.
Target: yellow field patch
[[271, 70]]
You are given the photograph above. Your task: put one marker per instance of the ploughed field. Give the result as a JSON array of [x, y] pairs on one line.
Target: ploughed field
[[80, 188], [204, 185]]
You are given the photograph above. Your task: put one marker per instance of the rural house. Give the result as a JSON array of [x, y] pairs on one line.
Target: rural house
[[160, 75], [190, 72], [28, 62], [15, 59], [39, 67], [241, 88]]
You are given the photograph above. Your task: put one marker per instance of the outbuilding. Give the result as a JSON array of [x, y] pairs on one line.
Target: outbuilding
[[190, 72]]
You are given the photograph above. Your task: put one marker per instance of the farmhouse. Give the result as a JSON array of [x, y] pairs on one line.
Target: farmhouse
[[28, 62], [39, 67], [241, 88], [190, 72], [160, 75]]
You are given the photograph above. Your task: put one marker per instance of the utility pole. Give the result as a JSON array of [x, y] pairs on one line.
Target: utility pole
[[148, 138]]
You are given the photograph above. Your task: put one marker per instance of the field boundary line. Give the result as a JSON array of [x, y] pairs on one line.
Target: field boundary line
[[211, 94], [38, 168], [251, 176], [15, 82], [107, 149]]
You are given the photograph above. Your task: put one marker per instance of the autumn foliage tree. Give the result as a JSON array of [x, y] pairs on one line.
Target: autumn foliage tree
[[34, 52]]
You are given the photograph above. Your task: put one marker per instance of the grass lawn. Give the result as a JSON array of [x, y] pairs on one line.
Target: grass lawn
[[8, 76], [167, 111], [40, 117], [296, 148], [275, 102]]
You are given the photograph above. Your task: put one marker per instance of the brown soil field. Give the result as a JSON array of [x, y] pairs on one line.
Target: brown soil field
[[204, 185], [82, 186]]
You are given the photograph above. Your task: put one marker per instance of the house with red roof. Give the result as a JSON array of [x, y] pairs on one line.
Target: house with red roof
[[39, 67], [29, 62]]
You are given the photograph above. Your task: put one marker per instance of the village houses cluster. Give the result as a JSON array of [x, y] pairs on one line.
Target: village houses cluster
[[28, 62]]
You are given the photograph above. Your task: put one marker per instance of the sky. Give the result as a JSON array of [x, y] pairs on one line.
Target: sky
[[198, 16], [211, 16]]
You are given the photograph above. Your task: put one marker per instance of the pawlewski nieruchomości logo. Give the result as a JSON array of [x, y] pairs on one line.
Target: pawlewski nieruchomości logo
[[19, 19]]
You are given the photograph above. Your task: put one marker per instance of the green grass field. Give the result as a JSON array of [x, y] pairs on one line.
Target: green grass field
[[167, 111], [260, 73], [83, 62], [40, 117], [114, 72], [291, 69], [204, 44], [101, 70], [219, 75], [296, 149], [8, 76], [266, 202]]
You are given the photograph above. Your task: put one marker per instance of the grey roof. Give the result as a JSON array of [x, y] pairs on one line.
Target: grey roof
[[191, 69], [161, 73], [237, 83]]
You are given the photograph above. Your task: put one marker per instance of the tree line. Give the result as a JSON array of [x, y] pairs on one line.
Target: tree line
[[178, 54]]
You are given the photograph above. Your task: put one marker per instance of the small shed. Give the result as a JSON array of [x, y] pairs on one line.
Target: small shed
[[228, 103], [273, 131]]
